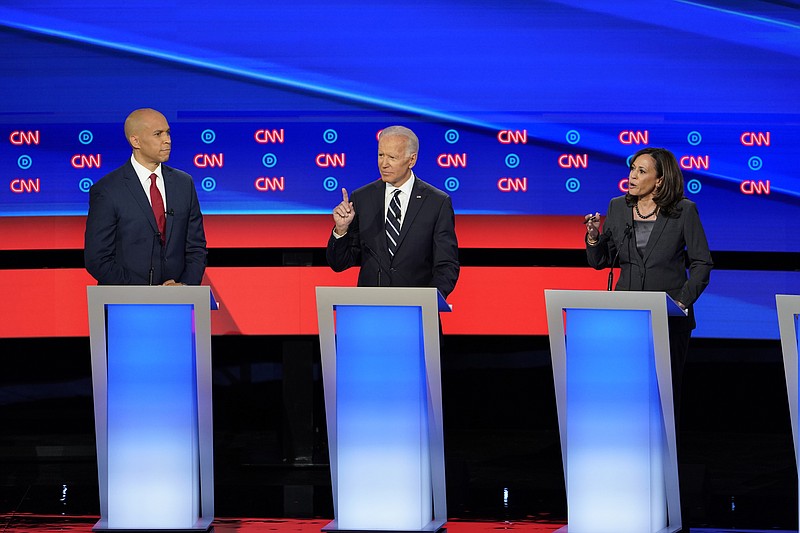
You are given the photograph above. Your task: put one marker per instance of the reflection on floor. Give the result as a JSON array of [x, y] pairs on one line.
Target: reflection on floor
[[83, 524]]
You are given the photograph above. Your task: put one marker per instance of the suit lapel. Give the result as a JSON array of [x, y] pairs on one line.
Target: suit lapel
[[136, 190], [172, 194], [418, 194], [658, 229]]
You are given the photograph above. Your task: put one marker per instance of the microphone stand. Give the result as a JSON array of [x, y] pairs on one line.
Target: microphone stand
[[156, 237], [627, 233], [377, 258]]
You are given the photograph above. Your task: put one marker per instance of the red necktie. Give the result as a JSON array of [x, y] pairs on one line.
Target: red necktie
[[158, 208]]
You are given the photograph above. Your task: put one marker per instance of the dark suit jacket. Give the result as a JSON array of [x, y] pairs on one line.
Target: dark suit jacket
[[675, 241], [120, 244], [427, 254]]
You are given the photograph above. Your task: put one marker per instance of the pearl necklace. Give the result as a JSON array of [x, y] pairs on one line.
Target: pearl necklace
[[636, 207]]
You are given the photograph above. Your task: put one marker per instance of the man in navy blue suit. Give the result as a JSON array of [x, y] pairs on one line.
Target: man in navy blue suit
[[420, 249], [144, 225]]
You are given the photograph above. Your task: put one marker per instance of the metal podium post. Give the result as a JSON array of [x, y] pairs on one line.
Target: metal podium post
[[151, 376], [613, 381], [383, 401], [788, 312]]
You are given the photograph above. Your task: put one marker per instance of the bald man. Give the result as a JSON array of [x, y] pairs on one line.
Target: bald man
[[144, 225]]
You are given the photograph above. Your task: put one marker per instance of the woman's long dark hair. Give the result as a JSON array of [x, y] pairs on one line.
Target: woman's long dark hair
[[670, 192]]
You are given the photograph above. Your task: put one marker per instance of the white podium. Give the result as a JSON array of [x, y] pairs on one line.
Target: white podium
[[383, 402], [788, 312], [613, 384], [151, 375]]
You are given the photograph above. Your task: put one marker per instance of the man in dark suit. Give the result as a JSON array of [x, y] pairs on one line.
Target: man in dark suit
[[144, 225], [399, 229]]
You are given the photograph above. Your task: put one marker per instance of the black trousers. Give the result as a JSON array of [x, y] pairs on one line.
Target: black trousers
[[678, 348]]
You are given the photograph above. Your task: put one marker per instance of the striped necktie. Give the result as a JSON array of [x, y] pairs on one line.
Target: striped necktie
[[393, 223]]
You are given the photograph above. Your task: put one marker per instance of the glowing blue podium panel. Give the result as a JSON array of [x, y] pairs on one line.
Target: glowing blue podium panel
[[788, 311], [383, 401], [151, 374], [613, 382]]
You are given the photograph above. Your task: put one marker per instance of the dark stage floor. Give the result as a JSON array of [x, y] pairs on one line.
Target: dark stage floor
[[83, 524], [501, 437]]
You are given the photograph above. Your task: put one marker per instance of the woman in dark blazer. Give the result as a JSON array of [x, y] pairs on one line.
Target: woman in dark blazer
[[656, 235]]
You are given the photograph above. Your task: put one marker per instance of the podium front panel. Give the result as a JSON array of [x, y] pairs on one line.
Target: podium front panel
[[613, 384], [151, 378], [614, 423], [788, 307], [381, 405], [152, 417]]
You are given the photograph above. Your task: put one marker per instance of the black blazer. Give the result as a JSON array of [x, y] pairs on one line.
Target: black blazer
[[677, 240], [120, 244], [427, 253]]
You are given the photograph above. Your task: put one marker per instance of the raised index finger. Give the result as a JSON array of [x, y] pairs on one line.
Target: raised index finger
[[344, 196]]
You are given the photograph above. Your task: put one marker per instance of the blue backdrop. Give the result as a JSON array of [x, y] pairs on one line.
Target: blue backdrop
[[522, 107]]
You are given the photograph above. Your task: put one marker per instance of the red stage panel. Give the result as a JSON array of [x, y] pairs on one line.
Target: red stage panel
[[44, 303], [281, 301], [305, 231], [510, 300], [42, 233], [270, 301]]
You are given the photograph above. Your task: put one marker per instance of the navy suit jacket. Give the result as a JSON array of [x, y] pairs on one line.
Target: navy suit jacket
[[121, 245], [676, 241], [427, 252]]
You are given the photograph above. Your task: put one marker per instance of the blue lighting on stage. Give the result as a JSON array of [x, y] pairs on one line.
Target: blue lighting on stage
[[152, 417], [382, 419], [615, 481]]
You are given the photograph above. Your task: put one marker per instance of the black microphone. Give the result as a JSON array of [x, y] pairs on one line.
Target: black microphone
[[377, 258], [627, 233], [156, 238], [171, 212]]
